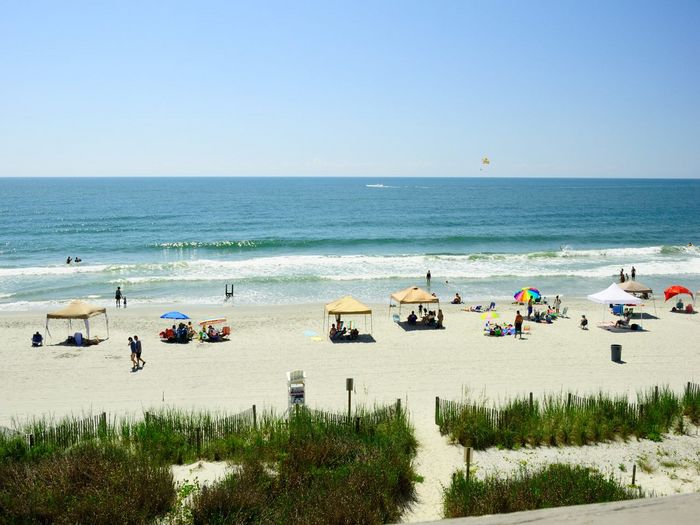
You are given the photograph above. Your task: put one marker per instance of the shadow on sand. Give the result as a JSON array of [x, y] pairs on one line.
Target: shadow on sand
[[362, 338]]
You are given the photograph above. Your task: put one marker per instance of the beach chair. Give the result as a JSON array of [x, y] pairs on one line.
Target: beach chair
[[617, 309], [563, 312]]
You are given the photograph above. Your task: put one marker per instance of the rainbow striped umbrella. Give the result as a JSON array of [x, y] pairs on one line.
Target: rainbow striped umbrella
[[525, 294]]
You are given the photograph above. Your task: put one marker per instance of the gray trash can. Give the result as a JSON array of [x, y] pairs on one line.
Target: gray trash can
[[616, 353]]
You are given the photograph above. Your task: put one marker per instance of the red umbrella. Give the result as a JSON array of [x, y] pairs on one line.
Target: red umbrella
[[676, 289]]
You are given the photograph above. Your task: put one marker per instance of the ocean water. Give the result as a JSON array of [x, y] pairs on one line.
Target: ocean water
[[294, 240]]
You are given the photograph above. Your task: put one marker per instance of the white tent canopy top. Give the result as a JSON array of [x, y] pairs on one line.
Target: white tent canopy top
[[613, 294]]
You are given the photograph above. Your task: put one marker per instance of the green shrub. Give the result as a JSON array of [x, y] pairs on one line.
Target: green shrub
[[554, 486], [324, 473], [87, 484]]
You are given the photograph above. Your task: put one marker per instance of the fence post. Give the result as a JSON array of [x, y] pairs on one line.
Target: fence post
[[31, 441], [568, 400], [437, 410], [198, 435], [349, 385], [357, 424], [103, 422], [398, 406], [634, 473], [531, 403], [468, 459], [656, 393], [255, 418], [687, 389], [147, 417]]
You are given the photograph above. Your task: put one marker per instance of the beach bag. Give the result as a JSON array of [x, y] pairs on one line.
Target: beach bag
[[634, 326]]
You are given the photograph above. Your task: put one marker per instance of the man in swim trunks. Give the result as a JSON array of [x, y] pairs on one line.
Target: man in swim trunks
[[118, 296], [518, 324], [138, 351]]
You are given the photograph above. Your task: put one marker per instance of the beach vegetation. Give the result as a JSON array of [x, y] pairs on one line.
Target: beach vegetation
[[308, 466], [555, 485], [564, 419], [89, 483]]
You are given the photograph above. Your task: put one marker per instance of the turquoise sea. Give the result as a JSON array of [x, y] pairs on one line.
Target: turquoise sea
[[293, 240]]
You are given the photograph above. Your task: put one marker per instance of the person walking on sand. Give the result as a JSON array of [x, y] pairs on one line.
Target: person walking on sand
[[518, 324], [529, 308], [557, 304], [634, 273], [134, 361], [138, 352], [118, 296]]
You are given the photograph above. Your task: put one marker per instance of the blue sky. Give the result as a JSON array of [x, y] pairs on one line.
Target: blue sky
[[561, 88]]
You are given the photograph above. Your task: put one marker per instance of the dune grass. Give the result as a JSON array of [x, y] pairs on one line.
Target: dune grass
[[90, 483], [322, 474], [565, 419], [312, 463], [553, 486]]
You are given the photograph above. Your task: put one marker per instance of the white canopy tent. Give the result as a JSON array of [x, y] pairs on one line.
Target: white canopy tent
[[613, 294], [78, 310]]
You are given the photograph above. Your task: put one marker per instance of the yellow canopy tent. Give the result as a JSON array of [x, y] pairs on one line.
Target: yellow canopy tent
[[637, 288], [78, 310], [412, 295], [347, 305]]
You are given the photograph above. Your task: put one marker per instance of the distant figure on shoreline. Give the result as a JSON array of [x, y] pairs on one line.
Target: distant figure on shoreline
[[124, 300], [622, 275], [37, 339], [77, 260], [529, 308], [457, 299], [557, 304], [427, 277], [584, 323], [634, 273], [68, 260], [118, 296]]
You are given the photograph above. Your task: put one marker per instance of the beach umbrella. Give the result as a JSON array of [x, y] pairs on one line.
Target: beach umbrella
[[217, 320], [676, 289], [174, 315], [489, 315], [525, 294]]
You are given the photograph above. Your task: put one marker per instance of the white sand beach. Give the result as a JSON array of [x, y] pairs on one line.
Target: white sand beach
[[414, 366]]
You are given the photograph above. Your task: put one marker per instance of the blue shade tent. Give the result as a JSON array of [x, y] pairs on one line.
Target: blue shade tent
[[174, 315]]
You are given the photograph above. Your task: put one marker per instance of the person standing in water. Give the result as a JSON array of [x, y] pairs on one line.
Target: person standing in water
[[427, 277], [634, 273], [118, 296]]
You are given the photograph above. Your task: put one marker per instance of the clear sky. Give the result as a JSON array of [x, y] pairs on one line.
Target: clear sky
[[573, 89]]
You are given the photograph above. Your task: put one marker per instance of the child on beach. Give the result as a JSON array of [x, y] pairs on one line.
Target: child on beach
[[124, 300]]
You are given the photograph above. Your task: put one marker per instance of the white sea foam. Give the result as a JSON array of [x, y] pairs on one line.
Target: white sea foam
[[654, 260]]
